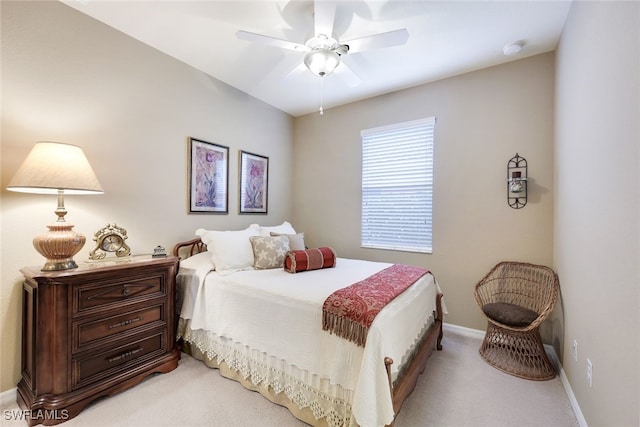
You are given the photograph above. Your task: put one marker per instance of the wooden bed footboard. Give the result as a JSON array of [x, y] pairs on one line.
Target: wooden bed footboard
[[407, 382]]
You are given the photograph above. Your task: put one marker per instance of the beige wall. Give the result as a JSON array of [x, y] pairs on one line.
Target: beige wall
[[597, 206], [484, 118], [67, 77]]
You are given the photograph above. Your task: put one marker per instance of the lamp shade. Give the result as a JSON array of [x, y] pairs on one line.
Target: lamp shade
[[322, 61], [57, 168], [54, 166]]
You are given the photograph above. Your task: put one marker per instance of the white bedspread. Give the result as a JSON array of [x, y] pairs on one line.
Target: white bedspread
[[280, 314]]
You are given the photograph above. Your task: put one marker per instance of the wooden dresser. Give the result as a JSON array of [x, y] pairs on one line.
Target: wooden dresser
[[94, 331]]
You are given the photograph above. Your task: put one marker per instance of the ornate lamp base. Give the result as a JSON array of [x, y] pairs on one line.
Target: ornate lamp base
[[59, 246]]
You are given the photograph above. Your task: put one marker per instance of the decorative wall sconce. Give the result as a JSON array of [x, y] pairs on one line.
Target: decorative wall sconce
[[517, 182]]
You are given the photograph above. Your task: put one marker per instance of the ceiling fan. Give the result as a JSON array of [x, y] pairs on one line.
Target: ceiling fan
[[323, 50]]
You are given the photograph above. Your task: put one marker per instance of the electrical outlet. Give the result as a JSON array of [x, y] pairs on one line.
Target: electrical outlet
[[589, 372], [574, 350]]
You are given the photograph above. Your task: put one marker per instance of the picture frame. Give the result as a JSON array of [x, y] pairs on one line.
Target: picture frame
[[254, 183], [208, 171]]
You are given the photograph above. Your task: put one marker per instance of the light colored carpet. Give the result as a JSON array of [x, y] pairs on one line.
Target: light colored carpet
[[457, 389]]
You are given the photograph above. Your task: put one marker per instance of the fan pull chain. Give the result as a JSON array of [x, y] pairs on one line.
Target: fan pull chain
[[321, 90]]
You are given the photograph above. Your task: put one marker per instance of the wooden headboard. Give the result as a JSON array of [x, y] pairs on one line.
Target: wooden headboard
[[189, 248]]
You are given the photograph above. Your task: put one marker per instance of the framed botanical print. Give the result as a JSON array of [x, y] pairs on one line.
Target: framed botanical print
[[254, 183], [208, 177]]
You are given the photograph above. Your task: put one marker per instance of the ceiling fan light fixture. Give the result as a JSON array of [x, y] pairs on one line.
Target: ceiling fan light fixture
[[322, 62]]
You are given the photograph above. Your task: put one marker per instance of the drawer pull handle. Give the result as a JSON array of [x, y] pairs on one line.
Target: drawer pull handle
[[124, 355], [125, 322], [126, 292]]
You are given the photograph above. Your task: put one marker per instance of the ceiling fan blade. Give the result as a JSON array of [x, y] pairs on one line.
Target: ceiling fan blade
[[324, 14], [378, 41], [295, 72], [271, 41], [347, 75]]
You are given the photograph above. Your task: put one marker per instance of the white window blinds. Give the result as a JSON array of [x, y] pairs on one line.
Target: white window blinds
[[397, 186]]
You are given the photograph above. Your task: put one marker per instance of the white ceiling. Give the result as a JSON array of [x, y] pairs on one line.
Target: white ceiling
[[446, 38]]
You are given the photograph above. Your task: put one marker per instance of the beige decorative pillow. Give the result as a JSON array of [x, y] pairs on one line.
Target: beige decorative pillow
[[269, 251], [296, 241]]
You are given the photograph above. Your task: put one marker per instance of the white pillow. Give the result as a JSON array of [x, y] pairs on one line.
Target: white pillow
[[230, 250], [296, 241], [284, 228]]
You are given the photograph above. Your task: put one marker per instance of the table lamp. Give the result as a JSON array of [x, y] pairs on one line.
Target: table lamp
[[57, 168]]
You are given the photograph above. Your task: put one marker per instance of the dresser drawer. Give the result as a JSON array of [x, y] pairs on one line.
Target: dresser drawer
[[90, 332], [112, 293], [92, 368]]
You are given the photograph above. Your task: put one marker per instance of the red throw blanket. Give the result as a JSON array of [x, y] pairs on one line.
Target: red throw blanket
[[349, 312]]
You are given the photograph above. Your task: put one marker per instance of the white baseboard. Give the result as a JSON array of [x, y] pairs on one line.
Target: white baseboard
[[8, 398], [551, 352], [467, 332]]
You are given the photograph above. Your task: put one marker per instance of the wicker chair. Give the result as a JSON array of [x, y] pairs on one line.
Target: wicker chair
[[516, 297]]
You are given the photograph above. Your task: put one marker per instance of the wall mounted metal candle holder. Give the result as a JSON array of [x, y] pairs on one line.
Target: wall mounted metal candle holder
[[517, 174]]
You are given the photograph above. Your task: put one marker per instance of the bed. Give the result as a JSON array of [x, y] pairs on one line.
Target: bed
[[263, 327]]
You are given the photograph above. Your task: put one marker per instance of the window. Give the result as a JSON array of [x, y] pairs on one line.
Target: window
[[397, 186]]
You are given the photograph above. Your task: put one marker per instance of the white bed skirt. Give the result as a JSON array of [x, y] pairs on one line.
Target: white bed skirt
[[329, 404], [308, 397]]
